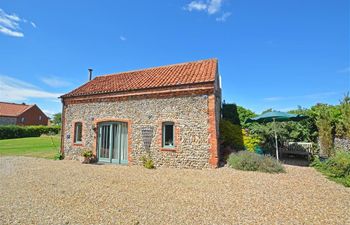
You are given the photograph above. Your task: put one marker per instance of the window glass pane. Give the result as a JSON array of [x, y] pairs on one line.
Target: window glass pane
[[78, 132], [168, 135]]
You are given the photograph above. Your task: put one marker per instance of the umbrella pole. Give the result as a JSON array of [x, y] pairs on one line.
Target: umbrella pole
[[274, 127]]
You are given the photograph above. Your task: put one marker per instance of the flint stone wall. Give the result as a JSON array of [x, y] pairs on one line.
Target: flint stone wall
[[8, 120], [190, 115], [342, 144]]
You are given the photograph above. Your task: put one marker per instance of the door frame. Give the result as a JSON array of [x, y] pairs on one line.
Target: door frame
[[99, 121], [112, 136]]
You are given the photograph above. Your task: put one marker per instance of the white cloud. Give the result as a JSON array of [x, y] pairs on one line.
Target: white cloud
[[12, 89], [54, 81], [10, 24], [13, 17], [309, 96], [214, 6], [210, 7], [122, 38], [275, 98], [286, 109], [33, 24], [49, 113], [223, 17], [9, 32], [196, 5]]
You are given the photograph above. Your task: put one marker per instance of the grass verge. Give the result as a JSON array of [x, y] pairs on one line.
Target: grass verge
[[40, 147]]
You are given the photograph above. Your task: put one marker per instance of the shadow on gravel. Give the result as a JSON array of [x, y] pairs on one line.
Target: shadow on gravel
[[294, 160]]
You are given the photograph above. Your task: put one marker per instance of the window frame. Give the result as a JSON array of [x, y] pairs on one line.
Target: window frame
[[75, 137], [164, 124]]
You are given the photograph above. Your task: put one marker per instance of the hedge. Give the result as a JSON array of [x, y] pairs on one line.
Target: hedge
[[230, 113], [8, 132], [231, 135]]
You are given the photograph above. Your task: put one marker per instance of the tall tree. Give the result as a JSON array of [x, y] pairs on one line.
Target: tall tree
[[57, 119], [244, 114], [345, 117], [324, 122]]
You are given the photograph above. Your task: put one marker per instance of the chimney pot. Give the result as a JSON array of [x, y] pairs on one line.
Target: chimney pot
[[90, 74]]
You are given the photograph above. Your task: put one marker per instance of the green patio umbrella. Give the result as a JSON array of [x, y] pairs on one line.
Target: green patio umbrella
[[273, 117]]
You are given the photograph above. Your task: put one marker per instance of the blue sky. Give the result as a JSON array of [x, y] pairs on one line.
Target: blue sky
[[272, 53]]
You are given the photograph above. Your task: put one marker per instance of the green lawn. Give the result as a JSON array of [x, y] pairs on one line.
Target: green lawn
[[41, 147]]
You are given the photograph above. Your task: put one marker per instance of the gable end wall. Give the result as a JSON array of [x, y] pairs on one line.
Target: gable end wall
[[31, 117]]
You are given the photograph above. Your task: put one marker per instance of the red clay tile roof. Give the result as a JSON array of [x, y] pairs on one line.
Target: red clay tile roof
[[13, 109], [163, 76]]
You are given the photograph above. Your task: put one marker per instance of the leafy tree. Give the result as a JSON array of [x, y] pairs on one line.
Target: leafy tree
[[267, 110], [324, 122], [266, 132], [57, 119], [244, 114], [345, 115], [325, 119], [304, 130]]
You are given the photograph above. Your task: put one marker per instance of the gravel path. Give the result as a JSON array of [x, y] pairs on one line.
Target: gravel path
[[39, 191]]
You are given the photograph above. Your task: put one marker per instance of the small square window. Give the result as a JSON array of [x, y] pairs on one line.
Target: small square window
[[168, 135], [78, 132], [39, 117], [22, 120]]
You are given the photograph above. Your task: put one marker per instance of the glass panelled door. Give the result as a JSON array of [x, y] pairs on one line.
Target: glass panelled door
[[104, 142], [112, 142]]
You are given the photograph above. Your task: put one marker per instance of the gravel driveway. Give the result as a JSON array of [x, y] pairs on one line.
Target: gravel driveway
[[39, 191]]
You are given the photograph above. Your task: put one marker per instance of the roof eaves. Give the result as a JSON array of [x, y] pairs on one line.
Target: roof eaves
[[135, 89]]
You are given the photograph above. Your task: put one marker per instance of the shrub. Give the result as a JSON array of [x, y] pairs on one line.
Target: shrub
[[87, 157], [336, 167], [244, 161], [59, 156], [339, 165], [270, 165], [249, 161], [231, 134], [316, 162], [147, 162], [12, 131], [250, 141], [87, 154]]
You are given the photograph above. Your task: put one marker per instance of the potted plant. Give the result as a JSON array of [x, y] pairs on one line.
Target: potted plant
[[87, 157]]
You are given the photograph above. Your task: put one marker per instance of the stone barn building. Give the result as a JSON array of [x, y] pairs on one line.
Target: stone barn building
[[21, 114], [170, 113]]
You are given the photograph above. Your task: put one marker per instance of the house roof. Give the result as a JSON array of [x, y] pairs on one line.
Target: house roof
[[164, 76], [13, 109]]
